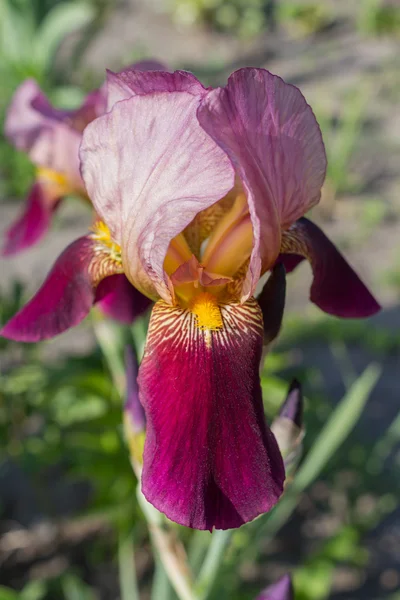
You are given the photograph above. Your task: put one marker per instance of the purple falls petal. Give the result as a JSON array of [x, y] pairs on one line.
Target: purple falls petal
[[209, 460], [67, 294], [336, 288], [272, 302], [33, 223], [117, 298], [292, 408]]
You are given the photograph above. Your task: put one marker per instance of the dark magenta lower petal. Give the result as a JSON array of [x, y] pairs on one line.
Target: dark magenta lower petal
[[118, 299], [336, 288], [290, 261], [272, 302], [209, 460], [281, 590], [67, 294], [32, 224]]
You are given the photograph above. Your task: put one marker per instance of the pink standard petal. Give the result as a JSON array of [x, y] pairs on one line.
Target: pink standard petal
[[336, 288], [48, 134], [209, 458], [33, 223], [281, 590], [133, 81], [118, 299], [149, 168], [273, 139], [66, 296]]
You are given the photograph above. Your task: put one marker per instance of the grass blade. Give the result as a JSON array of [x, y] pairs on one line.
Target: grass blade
[[335, 432]]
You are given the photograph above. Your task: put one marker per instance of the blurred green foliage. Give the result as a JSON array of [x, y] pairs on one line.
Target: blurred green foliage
[[379, 17]]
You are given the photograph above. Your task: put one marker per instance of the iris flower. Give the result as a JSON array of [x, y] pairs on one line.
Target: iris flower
[[51, 138], [199, 192]]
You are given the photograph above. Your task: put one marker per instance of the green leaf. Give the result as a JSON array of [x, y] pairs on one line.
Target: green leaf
[[75, 589], [127, 572], [16, 33], [331, 437], [35, 590], [8, 594], [62, 20]]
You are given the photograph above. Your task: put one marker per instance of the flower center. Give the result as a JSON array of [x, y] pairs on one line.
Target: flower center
[[208, 315]]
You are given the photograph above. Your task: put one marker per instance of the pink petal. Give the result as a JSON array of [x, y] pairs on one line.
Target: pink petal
[[149, 168], [66, 296], [94, 105], [133, 81], [118, 299], [336, 288], [33, 223], [273, 139], [209, 458], [281, 590], [47, 134]]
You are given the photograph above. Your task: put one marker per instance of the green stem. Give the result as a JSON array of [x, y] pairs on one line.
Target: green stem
[[108, 339], [127, 572], [169, 549], [198, 545], [161, 589], [212, 563]]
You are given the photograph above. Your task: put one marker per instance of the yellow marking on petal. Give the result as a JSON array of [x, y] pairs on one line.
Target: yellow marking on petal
[[102, 234], [56, 181], [208, 314]]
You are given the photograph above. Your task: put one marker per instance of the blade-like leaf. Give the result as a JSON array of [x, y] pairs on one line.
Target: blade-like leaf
[[331, 437], [62, 20], [127, 572]]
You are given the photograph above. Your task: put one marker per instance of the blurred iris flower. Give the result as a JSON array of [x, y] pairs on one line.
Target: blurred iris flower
[[199, 192], [281, 590], [51, 137]]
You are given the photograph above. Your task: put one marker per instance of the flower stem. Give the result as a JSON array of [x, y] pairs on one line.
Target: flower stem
[[127, 573], [109, 341], [169, 549], [212, 563], [161, 589]]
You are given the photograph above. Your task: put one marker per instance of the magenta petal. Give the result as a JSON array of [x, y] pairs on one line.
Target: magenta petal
[[34, 222], [133, 81], [290, 261], [209, 458], [93, 106], [133, 407], [63, 300], [272, 302], [118, 299], [281, 590], [292, 408], [336, 288]]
